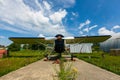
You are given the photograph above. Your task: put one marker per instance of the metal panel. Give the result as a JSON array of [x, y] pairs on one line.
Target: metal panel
[[81, 48]]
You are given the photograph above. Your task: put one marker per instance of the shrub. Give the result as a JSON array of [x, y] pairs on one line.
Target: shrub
[[66, 71], [14, 47]]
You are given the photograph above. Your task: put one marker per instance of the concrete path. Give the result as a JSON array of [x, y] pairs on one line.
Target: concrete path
[[39, 70], [90, 72], [42, 70]]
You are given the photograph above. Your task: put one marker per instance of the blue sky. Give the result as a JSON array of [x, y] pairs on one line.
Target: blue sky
[[36, 18]]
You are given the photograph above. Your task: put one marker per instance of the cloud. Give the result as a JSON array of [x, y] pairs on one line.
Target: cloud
[[85, 27], [74, 14], [104, 31], [20, 17], [92, 27], [116, 27], [81, 32], [47, 5], [1, 37], [41, 35], [58, 16], [12, 29], [8, 21], [68, 3], [63, 3], [87, 22]]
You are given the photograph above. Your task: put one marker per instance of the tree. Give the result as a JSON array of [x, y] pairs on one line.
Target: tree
[[14, 47], [38, 47]]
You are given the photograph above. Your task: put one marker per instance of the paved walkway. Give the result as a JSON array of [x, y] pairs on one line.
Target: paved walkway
[[90, 72], [39, 70], [42, 70]]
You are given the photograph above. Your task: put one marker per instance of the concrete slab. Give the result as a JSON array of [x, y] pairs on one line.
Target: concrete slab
[[90, 72], [39, 70]]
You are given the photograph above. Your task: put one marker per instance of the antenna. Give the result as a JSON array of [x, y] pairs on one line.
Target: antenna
[[88, 30]]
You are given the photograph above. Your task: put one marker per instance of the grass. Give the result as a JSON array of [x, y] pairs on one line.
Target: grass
[[110, 63], [66, 71], [19, 59]]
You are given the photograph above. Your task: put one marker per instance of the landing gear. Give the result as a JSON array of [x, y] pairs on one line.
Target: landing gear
[[71, 57]]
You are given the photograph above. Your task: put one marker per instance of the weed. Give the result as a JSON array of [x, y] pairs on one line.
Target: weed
[[66, 71]]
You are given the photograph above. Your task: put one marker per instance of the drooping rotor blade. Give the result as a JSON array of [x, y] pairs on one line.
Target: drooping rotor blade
[[66, 38], [69, 40], [50, 40], [28, 40], [91, 39], [39, 40]]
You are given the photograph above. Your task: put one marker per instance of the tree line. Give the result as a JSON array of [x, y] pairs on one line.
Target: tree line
[[18, 47]]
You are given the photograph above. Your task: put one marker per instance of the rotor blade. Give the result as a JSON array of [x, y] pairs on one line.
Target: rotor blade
[[27, 40], [50, 40], [91, 39], [68, 38]]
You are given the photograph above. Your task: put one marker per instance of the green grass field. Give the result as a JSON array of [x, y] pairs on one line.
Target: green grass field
[[110, 63], [18, 60]]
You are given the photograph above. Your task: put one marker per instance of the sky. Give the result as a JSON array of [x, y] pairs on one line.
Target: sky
[[39, 18]]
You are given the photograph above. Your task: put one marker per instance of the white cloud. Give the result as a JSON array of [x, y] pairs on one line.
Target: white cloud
[[81, 32], [21, 18], [58, 16], [92, 27], [17, 30], [104, 31], [66, 3], [86, 29], [1, 1], [47, 5], [41, 35], [81, 25], [74, 14], [116, 27], [86, 23], [1, 37], [8, 21]]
